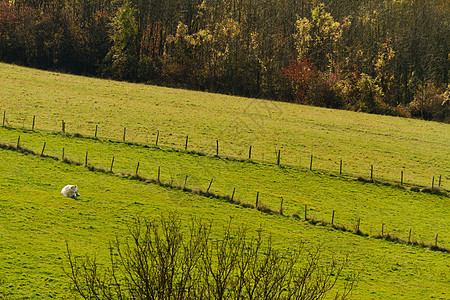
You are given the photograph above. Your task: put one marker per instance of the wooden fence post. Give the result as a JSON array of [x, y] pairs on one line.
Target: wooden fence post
[[185, 181], [112, 163], [18, 142], [432, 184], [137, 168], [63, 126], [311, 163], [340, 168], [440, 176], [232, 195], [278, 158], [210, 183], [435, 240], [96, 128], [86, 160], [43, 148], [185, 146], [332, 219], [157, 138], [159, 174], [250, 153], [371, 173], [257, 200], [217, 147], [34, 120], [401, 180], [357, 226], [124, 133], [62, 158], [306, 208]]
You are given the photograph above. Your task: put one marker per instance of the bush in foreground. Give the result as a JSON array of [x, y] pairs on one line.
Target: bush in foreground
[[161, 260]]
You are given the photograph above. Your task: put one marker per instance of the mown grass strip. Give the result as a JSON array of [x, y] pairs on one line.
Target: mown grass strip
[[259, 206]]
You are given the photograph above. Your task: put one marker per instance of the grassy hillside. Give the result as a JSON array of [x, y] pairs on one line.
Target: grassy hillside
[[36, 220], [39, 221], [419, 148], [398, 209]]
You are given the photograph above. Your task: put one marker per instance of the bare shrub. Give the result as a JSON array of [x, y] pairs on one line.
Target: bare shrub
[[160, 260]]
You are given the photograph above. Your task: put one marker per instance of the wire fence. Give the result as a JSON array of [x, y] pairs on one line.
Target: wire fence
[[436, 182], [259, 205]]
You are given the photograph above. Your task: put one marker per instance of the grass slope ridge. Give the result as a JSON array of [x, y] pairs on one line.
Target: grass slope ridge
[[390, 144]]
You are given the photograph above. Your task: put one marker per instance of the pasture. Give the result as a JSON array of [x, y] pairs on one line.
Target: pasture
[[36, 220], [375, 204], [390, 144]]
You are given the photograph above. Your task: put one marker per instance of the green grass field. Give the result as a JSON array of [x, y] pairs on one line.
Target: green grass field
[[419, 148], [398, 209], [36, 219]]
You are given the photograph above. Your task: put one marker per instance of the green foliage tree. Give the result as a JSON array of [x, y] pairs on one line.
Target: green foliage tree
[[370, 95], [384, 69], [123, 57]]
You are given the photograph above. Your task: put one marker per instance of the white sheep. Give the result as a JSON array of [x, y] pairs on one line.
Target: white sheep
[[70, 191]]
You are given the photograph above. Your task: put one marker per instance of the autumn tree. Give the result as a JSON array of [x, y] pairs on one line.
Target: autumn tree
[[317, 39]]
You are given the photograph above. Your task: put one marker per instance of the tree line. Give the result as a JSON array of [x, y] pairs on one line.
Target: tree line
[[378, 56]]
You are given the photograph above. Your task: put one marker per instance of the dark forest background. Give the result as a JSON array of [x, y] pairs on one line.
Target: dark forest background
[[378, 56]]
